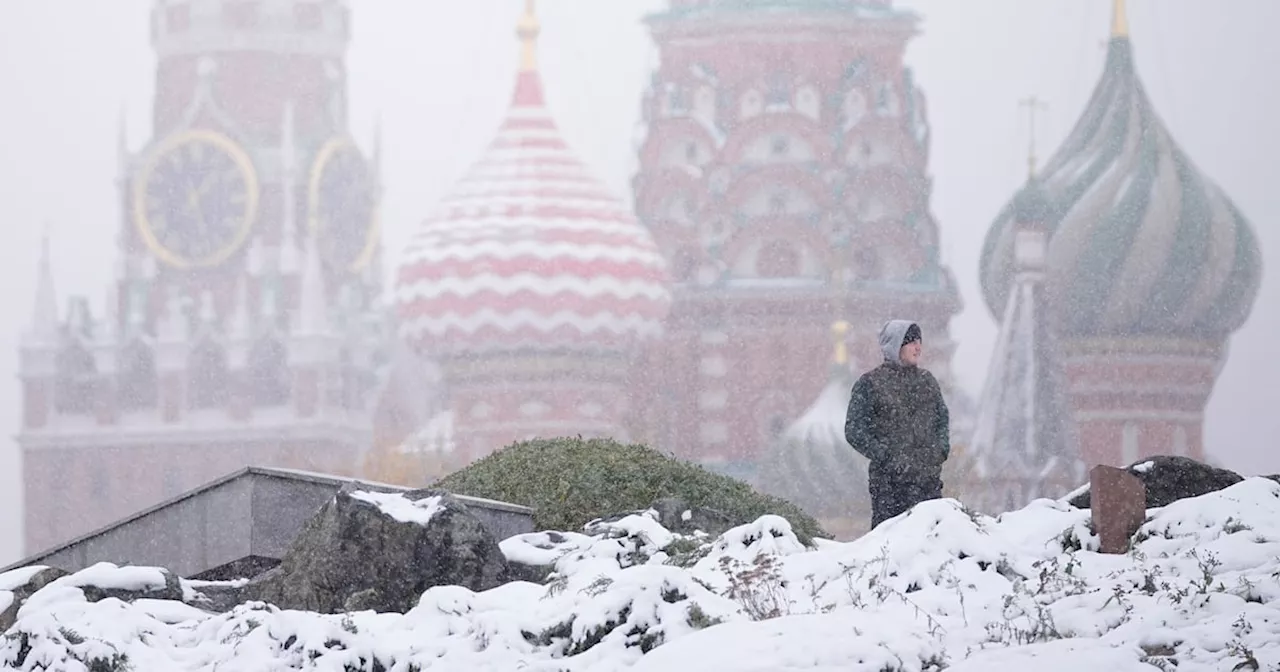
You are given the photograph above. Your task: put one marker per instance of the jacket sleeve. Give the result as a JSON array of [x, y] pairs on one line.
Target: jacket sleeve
[[857, 421], [942, 422]]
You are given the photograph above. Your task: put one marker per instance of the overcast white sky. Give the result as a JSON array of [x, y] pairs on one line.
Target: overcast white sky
[[440, 73]]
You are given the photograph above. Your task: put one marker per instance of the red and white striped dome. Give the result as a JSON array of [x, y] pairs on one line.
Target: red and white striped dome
[[530, 251]]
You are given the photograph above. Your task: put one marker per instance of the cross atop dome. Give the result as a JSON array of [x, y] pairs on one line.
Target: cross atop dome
[[528, 30], [528, 91]]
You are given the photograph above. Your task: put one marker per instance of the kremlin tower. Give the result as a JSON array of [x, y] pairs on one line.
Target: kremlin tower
[[784, 177], [1149, 268], [241, 325], [531, 287]]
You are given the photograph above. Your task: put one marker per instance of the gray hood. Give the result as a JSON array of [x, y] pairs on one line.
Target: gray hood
[[891, 335]]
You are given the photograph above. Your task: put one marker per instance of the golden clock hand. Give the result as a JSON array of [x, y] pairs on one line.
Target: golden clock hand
[[206, 183], [193, 201]]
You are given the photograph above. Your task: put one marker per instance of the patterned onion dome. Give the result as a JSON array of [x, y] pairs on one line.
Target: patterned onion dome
[[1142, 243], [530, 250], [812, 465]]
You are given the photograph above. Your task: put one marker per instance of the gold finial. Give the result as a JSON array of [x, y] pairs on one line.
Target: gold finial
[[839, 331], [528, 30], [1119, 19]]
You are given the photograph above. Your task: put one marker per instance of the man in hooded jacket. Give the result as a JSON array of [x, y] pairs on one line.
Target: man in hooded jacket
[[899, 421]]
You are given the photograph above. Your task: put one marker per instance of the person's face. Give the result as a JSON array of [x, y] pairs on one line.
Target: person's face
[[910, 353]]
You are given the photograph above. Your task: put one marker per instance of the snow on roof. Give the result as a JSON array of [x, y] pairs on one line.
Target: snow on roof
[[937, 587]]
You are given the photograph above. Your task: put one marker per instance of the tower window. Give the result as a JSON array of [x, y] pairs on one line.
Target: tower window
[[75, 387], [778, 203], [866, 264], [684, 265], [269, 377], [779, 90], [138, 389], [778, 259], [308, 17], [177, 19], [207, 377], [240, 14], [678, 100], [781, 145]]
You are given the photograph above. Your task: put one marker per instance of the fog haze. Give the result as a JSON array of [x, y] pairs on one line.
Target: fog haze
[[438, 75]]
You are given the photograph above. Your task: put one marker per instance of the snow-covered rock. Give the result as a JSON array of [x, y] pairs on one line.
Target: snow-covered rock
[[936, 588], [1169, 478], [380, 551]]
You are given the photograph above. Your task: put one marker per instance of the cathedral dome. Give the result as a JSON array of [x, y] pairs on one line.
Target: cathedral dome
[[813, 466], [1142, 244], [530, 250]]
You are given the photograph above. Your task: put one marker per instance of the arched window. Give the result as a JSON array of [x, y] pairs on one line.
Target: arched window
[[866, 264], [75, 386], [269, 376], [684, 265], [138, 388], [778, 259], [207, 379]]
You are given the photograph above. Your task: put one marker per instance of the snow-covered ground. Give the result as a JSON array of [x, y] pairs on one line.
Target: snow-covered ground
[[934, 589]]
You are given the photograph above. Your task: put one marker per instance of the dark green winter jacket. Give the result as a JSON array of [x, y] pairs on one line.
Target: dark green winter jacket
[[897, 417]]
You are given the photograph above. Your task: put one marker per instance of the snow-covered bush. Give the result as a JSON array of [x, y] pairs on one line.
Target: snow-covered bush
[[572, 481]]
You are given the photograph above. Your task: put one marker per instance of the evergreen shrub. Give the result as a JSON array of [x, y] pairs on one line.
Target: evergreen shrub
[[571, 481]]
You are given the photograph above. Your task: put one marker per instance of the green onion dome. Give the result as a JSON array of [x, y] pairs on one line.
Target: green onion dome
[[1142, 244]]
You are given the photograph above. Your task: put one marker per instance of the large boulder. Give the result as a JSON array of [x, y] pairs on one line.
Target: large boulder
[[381, 551], [1169, 479], [19, 584], [98, 582]]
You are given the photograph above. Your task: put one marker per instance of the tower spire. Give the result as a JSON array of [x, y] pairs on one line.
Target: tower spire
[[1033, 104], [528, 30], [1119, 19], [44, 319]]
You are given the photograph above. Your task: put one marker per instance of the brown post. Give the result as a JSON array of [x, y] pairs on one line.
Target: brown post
[[1118, 502]]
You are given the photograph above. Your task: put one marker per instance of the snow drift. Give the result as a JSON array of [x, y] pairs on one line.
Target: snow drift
[[937, 588]]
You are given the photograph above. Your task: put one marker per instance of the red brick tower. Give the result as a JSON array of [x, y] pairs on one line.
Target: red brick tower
[[1150, 268], [531, 286], [786, 147], [240, 327]]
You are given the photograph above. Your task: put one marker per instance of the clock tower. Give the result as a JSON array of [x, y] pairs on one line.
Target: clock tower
[[242, 325]]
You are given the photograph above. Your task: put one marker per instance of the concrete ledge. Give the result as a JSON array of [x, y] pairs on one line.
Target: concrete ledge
[[237, 525]]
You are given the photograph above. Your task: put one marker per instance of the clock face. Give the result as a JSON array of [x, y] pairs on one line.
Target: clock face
[[344, 210], [195, 199]]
